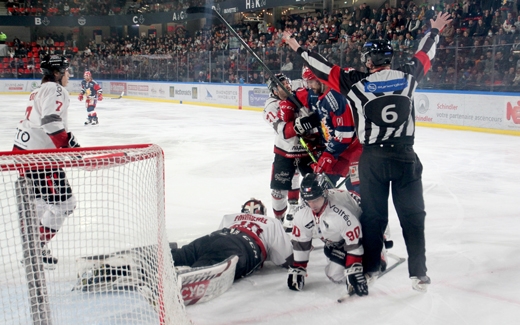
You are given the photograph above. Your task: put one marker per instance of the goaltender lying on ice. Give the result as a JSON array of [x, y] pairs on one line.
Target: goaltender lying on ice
[[207, 266]]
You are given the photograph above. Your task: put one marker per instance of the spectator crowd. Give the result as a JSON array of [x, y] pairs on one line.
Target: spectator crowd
[[479, 50], [94, 7]]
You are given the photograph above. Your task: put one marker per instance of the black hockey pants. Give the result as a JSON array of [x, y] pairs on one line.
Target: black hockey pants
[[218, 246]]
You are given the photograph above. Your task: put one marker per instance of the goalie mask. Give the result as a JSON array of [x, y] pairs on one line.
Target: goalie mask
[[253, 206]]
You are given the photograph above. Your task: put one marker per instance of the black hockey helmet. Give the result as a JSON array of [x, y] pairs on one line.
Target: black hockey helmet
[[254, 206], [379, 51], [312, 186], [52, 63], [271, 83]]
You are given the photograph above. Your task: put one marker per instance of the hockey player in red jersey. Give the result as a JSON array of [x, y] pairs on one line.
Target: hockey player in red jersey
[[250, 234], [334, 216], [290, 157], [382, 100], [338, 148], [45, 126], [93, 92], [340, 158]]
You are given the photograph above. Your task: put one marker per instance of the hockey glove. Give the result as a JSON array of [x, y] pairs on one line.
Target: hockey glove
[[100, 97], [324, 164], [80, 97], [356, 280], [306, 123], [296, 278], [72, 141], [336, 253]]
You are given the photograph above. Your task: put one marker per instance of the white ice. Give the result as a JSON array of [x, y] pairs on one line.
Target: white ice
[[218, 158]]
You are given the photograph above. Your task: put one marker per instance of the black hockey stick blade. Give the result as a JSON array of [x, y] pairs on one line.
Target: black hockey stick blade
[[199, 10]]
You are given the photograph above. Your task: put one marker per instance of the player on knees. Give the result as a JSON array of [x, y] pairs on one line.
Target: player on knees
[[290, 158], [332, 214], [382, 101], [250, 234], [340, 157], [45, 126], [93, 92]]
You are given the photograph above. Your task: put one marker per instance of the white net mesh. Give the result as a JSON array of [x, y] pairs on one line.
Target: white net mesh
[[114, 264]]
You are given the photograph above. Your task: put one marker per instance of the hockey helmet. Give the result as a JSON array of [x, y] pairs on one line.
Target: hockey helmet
[[379, 51], [52, 63], [312, 187], [87, 74], [271, 83], [254, 206], [307, 74]]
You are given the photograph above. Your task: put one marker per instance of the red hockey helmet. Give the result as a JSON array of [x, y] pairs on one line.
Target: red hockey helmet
[[87, 74], [307, 74], [254, 206]]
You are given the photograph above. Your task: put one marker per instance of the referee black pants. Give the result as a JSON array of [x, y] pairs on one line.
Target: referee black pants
[[396, 167]]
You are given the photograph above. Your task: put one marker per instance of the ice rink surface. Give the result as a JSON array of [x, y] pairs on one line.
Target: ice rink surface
[[216, 159]]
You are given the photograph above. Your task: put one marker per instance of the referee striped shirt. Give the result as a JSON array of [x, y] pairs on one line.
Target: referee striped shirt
[[382, 101]]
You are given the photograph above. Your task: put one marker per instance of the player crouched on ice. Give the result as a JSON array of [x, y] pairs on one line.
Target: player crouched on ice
[[207, 266], [93, 91], [333, 214]]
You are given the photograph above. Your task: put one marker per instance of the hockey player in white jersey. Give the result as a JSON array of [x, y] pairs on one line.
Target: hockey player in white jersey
[[45, 127], [250, 234], [290, 159], [332, 214]]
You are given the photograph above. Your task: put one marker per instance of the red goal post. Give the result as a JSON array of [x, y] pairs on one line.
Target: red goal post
[[114, 264]]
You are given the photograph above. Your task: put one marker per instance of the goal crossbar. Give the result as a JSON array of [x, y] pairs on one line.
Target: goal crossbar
[[120, 207]]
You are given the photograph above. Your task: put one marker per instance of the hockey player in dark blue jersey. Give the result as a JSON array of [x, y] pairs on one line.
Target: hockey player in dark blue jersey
[[93, 92], [382, 103], [340, 157]]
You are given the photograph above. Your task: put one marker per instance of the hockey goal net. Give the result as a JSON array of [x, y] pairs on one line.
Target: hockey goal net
[[113, 264]]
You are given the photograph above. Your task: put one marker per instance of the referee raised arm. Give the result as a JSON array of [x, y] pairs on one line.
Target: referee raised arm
[[384, 114]]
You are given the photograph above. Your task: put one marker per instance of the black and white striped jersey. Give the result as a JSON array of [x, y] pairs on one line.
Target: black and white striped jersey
[[382, 101]]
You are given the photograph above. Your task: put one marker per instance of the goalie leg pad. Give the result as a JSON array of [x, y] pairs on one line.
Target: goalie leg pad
[[124, 270]]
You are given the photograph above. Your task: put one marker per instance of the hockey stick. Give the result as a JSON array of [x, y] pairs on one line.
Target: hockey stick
[[304, 145], [400, 260], [120, 96], [212, 11]]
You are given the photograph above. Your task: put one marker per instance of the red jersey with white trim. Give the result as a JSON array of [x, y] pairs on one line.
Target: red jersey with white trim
[[338, 222], [46, 115], [269, 230]]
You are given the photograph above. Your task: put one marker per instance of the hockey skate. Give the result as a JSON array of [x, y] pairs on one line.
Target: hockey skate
[[88, 121], [95, 121], [420, 283], [47, 258]]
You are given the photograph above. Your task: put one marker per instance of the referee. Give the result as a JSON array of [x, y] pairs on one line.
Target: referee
[[384, 114]]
